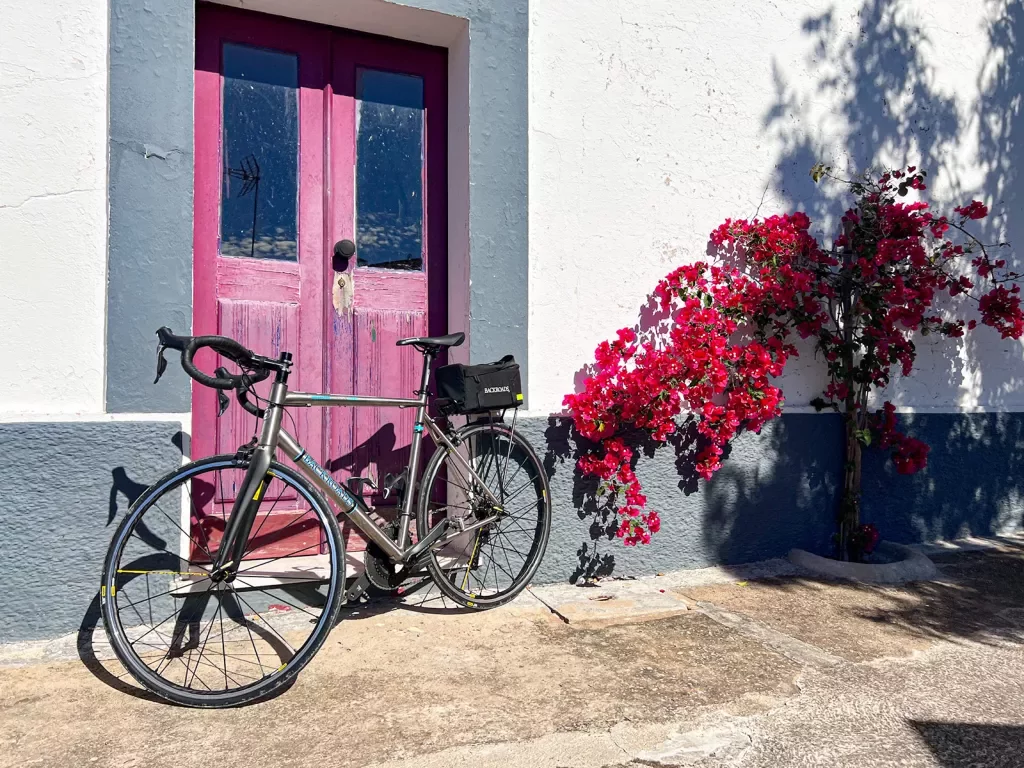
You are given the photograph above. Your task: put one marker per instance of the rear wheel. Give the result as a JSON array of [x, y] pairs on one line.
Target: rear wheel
[[487, 565], [203, 643]]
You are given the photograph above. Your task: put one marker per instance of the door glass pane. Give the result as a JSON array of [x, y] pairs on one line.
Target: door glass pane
[[261, 153], [389, 170]]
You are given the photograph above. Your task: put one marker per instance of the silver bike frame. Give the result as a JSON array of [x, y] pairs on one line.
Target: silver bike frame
[[273, 436]]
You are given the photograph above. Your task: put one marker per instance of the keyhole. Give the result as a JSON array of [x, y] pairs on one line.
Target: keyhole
[[341, 281]]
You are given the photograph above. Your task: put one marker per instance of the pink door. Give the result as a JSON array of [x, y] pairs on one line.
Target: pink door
[[305, 135]]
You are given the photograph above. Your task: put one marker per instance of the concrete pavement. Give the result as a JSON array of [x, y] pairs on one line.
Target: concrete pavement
[[696, 668]]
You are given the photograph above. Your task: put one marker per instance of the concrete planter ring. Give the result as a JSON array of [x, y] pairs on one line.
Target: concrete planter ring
[[898, 564]]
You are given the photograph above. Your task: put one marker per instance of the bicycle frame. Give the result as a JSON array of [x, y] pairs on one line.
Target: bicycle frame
[[273, 436]]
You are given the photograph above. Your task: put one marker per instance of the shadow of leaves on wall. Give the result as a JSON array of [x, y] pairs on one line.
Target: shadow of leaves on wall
[[887, 103]]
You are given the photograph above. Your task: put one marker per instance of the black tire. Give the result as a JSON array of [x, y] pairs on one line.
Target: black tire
[[232, 602], [514, 473]]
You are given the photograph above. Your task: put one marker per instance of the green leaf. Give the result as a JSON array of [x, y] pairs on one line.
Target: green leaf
[[819, 170], [864, 435]]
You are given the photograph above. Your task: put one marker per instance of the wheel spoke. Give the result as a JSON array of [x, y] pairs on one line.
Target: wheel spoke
[[140, 613], [495, 562]]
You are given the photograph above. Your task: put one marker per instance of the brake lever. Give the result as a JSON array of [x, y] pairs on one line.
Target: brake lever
[[222, 399], [161, 362]]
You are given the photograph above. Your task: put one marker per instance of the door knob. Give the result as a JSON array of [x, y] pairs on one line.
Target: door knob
[[343, 251]]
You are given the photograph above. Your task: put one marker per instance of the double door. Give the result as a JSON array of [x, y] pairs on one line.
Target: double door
[[306, 135]]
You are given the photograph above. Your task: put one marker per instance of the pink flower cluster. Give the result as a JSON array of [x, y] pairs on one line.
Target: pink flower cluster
[[727, 332]]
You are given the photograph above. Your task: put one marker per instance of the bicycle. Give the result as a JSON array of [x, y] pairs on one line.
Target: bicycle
[[208, 544]]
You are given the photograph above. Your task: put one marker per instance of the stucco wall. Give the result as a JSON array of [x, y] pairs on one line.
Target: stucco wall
[[57, 520], [652, 121], [779, 489], [53, 215]]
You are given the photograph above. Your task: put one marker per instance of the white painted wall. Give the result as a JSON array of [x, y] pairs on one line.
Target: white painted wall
[[651, 121], [53, 218]]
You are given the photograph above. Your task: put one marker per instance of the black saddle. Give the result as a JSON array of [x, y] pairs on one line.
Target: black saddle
[[433, 343]]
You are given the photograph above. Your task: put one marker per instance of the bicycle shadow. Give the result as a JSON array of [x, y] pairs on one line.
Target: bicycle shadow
[[419, 595], [185, 636], [98, 657]]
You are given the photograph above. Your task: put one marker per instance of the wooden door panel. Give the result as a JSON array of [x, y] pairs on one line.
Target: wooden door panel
[[269, 280], [258, 246], [382, 435], [271, 327], [388, 166], [239, 278], [277, 533]]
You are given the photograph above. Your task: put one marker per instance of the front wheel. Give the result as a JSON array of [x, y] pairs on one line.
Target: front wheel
[[203, 642], [487, 565]]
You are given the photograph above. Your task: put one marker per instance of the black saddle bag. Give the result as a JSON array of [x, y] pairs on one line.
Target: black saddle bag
[[466, 389]]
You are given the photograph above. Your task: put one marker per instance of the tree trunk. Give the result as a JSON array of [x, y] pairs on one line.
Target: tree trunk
[[849, 504]]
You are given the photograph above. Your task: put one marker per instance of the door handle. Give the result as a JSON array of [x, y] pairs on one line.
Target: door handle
[[343, 251]]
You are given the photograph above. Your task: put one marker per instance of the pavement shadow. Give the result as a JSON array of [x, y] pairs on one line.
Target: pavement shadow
[[979, 598], [966, 745], [418, 595], [86, 650]]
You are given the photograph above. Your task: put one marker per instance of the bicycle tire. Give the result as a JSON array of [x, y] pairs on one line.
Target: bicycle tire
[[465, 595], [287, 672]]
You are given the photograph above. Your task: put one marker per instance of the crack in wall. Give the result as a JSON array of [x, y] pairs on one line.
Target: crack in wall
[[43, 195]]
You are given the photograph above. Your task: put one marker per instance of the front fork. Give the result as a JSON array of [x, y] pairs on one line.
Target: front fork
[[247, 503]]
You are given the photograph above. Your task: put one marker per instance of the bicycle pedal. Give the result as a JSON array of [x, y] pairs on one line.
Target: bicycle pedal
[[357, 592]]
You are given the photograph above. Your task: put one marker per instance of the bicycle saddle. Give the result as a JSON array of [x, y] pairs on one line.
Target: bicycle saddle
[[434, 342]]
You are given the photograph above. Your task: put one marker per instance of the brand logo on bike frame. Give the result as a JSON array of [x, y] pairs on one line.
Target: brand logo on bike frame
[[324, 475]]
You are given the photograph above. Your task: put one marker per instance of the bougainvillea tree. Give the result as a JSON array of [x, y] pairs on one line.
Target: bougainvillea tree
[[729, 324]]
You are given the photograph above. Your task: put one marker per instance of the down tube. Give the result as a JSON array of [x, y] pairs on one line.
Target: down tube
[[353, 508]]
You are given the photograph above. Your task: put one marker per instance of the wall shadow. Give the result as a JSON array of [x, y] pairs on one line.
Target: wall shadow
[[886, 104]]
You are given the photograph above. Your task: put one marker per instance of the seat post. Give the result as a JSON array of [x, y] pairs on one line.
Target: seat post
[[428, 357], [414, 451]]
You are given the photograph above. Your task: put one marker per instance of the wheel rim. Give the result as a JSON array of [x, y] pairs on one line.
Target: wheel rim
[[495, 561], [179, 631]]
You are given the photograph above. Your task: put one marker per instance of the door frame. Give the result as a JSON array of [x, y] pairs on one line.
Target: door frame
[[150, 186]]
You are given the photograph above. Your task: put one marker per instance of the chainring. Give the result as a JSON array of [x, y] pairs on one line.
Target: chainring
[[380, 571]]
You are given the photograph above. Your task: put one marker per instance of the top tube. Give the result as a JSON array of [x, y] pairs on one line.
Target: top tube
[[327, 400]]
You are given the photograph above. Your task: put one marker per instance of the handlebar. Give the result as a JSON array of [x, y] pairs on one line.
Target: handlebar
[[257, 368], [228, 348]]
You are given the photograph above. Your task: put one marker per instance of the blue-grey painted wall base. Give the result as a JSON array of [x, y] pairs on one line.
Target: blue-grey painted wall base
[[151, 179], [59, 516], [776, 490], [780, 489]]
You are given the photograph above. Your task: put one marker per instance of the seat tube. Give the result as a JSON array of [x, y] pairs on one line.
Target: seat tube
[[408, 499]]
